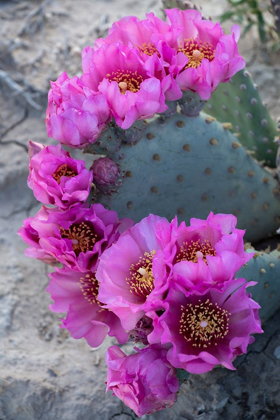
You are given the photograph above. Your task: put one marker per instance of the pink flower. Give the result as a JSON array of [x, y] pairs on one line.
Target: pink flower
[[134, 271], [75, 237], [76, 293], [31, 236], [149, 37], [118, 72], [58, 179], [208, 329], [208, 252], [76, 115], [139, 34], [144, 381], [212, 56]]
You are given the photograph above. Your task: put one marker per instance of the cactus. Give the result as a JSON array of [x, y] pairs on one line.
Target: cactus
[[240, 104], [264, 268], [191, 165]]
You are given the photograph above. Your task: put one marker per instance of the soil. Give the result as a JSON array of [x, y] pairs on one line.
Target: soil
[[45, 374]]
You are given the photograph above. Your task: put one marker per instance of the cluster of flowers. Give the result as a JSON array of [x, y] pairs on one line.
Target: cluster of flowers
[[139, 66], [170, 288]]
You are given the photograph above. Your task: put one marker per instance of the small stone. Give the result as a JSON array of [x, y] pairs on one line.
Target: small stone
[[277, 353]]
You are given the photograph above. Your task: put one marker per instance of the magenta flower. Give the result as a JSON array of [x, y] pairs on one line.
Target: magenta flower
[[208, 252], [211, 56], [144, 381], [150, 37], [75, 115], [135, 270], [58, 179], [75, 237], [140, 34], [76, 293], [118, 72], [31, 236], [208, 329]]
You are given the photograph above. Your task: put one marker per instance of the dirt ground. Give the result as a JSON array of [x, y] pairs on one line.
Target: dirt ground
[[45, 374]]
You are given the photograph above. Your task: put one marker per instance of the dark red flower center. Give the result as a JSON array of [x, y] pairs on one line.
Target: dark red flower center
[[203, 324], [148, 49], [126, 79], [90, 286], [194, 250], [82, 235], [196, 51], [63, 170], [141, 280]]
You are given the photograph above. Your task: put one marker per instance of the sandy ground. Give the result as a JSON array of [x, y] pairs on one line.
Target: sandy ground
[[45, 374]]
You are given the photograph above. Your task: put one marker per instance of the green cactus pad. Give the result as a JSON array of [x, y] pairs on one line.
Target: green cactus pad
[[189, 166], [239, 103], [264, 269]]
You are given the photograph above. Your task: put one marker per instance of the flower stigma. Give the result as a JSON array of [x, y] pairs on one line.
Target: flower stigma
[[203, 324], [126, 80], [195, 250], [89, 286], [141, 280], [196, 51], [63, 170], [82, 236]]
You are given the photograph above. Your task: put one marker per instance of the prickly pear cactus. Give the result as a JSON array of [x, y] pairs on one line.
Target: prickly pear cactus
[[189, 165], [239, 103], [264, 269]]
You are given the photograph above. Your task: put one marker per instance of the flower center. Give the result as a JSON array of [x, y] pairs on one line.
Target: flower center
[[63, 170], [203, 324], [82, 235], [126, 79], [141, 280], [148, 49], [89, 287], [195, 250], [196, 51]]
